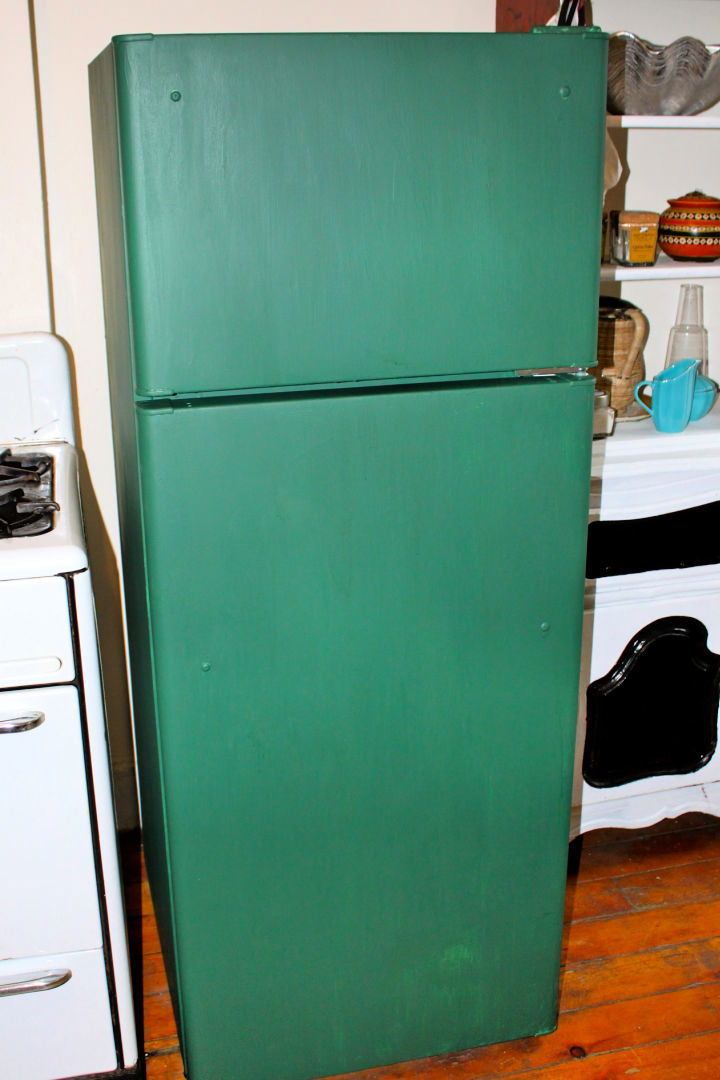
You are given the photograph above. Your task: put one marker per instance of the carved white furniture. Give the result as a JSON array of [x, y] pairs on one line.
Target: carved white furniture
[[660, 495]]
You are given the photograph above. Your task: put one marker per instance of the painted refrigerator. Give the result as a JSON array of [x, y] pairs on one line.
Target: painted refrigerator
[[351, 293]]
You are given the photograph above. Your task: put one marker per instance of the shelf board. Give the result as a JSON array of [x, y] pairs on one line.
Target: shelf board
[[686, 123], [665, 269]]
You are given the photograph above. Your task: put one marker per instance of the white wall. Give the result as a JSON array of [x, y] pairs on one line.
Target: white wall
[[660, 21], [69, 35]]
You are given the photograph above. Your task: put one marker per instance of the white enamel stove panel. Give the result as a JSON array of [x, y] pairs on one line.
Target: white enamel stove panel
[[55, 1017], [64, 970], [36, 645]]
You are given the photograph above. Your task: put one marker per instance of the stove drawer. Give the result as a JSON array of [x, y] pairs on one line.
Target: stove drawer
[[49, 893], [35, 637], [64, 1029]]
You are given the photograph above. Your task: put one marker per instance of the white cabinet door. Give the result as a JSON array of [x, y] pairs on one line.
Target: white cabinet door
[[49, 893], [35, 638], [63, 1030]]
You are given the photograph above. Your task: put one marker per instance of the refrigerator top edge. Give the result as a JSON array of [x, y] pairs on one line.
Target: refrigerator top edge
[[591, 32], [332, 209]]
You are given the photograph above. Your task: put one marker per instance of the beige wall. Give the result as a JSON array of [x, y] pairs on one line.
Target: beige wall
[[23, 274], [69, 34]]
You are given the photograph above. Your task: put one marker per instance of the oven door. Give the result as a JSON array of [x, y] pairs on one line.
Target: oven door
[[50, 899], [35, 636], [55, 1018]]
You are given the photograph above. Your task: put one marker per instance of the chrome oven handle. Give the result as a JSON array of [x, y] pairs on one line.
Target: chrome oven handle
[[33, 982], [26, 722]]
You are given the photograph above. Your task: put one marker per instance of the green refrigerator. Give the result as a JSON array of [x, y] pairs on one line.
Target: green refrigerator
[[351, 293]]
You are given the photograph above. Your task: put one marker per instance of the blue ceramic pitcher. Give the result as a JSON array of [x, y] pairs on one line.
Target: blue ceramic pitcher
[[672, 395]]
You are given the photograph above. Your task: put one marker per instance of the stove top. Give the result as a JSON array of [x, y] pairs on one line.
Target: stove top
[[26, 488], [41, 529]]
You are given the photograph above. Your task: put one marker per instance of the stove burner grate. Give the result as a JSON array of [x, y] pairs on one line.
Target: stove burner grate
[[24, 468], [26, 503], [23, 515]]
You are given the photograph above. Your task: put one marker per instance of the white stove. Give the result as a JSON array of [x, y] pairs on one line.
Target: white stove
[[65, 995], [647, 738]]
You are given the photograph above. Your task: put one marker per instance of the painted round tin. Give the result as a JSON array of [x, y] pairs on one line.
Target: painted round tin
[[690, 228]]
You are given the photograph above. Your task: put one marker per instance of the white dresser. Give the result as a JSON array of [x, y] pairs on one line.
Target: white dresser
[[655, 506]]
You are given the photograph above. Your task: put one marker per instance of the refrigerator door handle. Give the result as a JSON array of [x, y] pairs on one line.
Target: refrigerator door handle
[[542, 373]]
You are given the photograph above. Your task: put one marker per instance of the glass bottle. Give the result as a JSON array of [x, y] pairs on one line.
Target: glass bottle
[[688, 337]]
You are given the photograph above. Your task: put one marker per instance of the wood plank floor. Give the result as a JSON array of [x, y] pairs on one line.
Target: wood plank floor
[[640, 996]]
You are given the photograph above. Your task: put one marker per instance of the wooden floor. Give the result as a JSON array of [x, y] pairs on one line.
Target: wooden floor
[[640, 995]]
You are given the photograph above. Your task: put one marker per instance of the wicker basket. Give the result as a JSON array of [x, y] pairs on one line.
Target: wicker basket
[[620, 363]]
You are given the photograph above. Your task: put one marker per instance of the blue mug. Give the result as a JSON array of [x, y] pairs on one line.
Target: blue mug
[[704, 397], [672, 395]]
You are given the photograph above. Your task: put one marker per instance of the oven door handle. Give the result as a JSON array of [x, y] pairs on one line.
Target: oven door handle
[[33, 982], [26, 722]]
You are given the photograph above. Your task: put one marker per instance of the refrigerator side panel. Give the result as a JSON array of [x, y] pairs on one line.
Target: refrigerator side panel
[[366, 617], [119, 346], [316, 209]]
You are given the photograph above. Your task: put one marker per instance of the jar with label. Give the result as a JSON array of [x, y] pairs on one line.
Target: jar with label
[[634, 237]]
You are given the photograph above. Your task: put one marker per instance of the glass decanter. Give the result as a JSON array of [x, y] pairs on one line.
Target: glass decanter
[[688, 338]]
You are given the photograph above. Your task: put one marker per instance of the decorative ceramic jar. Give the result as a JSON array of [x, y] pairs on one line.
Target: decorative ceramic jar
[[690, 228]]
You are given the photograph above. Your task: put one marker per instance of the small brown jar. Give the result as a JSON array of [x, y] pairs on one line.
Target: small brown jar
[[634, 237]]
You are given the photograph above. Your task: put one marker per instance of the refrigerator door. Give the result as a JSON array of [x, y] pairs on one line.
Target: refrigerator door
[[363, 614], [320, 209]]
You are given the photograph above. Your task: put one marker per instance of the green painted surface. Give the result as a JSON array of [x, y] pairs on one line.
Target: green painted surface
[[118, 331], [366, 727], [354, 617], [327, 208]]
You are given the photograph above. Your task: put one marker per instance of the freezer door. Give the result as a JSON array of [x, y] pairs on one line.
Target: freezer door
[[309, 209], [364, 622]]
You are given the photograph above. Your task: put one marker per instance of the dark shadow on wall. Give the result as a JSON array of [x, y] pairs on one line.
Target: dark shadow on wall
[[108, 613]]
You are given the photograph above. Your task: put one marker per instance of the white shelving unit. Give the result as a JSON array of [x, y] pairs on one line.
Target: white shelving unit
[[665, 269], [640, 473], [687, 123]]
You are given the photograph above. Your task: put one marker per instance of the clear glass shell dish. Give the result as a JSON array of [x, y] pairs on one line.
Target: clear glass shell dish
[[679, 79]]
